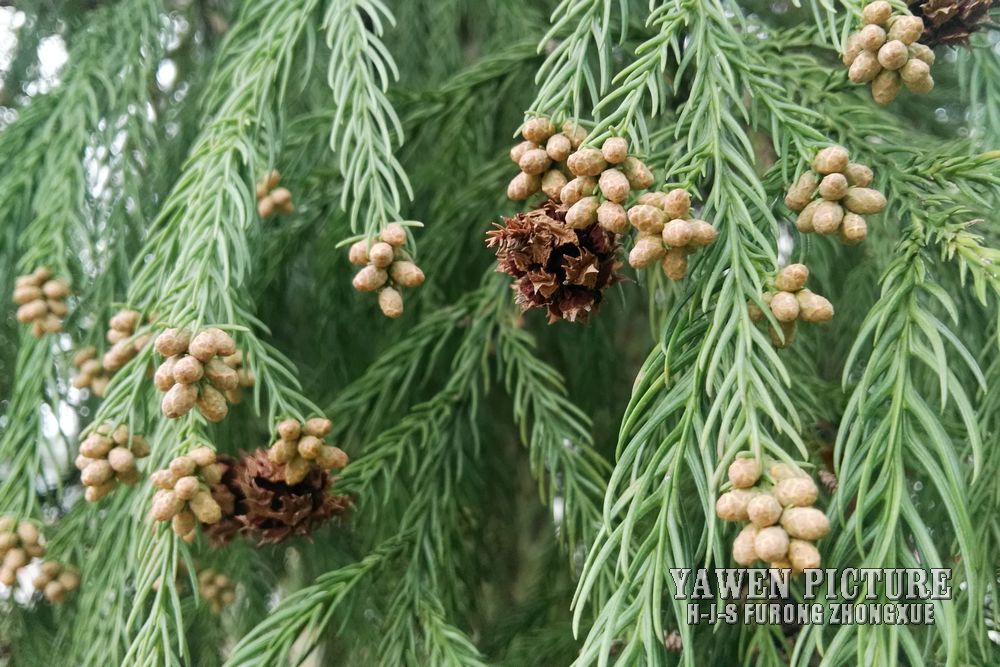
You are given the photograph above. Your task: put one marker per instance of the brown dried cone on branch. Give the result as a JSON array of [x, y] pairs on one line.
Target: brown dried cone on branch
[[790, 302], [667, 233], [542, 156], [834, 197], [195, 373], [387, 268], [218, 590], [951, 22], [90, 373], [184, 497], [885, 52], [55, 580], [300, 449], [258, 501], [20, 541], [782, 524], [270, 198], [556, 266], [41, 301], [108, 456]]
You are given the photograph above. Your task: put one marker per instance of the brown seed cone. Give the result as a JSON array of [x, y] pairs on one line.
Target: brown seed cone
[[556, 267], [951, 22], [258, 502]]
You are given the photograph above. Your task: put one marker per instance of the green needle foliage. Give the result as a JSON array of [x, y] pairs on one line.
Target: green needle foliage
[[518, 492]]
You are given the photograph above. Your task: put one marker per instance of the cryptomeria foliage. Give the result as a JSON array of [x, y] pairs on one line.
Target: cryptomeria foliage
[[520, 492]]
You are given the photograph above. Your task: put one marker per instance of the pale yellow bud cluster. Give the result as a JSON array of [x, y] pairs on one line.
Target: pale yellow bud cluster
[[542, 156], [184, 497], [666, 232], [272, 199], [387, 268], [108, 457], [885, 52], [20, 541], [781, 522], [834, 197], [300, 447], [218, 590], [195, 372], [791, 301], [55, 580], [41, 301]]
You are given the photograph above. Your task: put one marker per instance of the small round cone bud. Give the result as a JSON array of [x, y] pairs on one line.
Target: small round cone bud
[[833, 187], [390, 302], [922, 52], [612, 217], [283, 451], [212, 404], [83, 355], [906, 29], [535, 162], [178, 400], [804, 221], [188, 370], [125, 320], [182, 466], [27, 293], [202, 348], [537, 130], [358, 254], [164, 376], [801, 192], [583, 213], [864, 68], [872, 37], [394, 234], [785, 307], [56, 289], [877, 13], [289, 429], [265, 207], [796, 492], [702, 234], [744, 472], [165, 505], [163, 479], [553, 181], [771, 543], [805, 523], [96, 446], [119, 355], [32, 311], [743, 546], [220, 375], [187, 487], [523, 186], [864, 201], [803, 555], [614, 150], [331, 458], [577, 189], [638, 174], [224, 343], [558, 147], [647, 219], [129, 477], [614, 186], [675, 263], [831, 159], [792, 278], [140, 447], [677, 233], [121, 460], [756, 314], [814, 308], [172, 342], [28, 532], [381, 254], [827, 217], [54, 592], [518, 150], [205, 508], [764, 510], [885, 87], [859, 175], [296, 470], [647, 250], [732, 505], [893, 55], [914, 70], [120, 434], [586, 162], [655, 198], [183, 523], [318, 427], [576, 134], [785, 336], [369, 279], [57, 308], [852, 47], [406, 274], [211, 474], [922, 86], [309, 447], [202, 456]]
